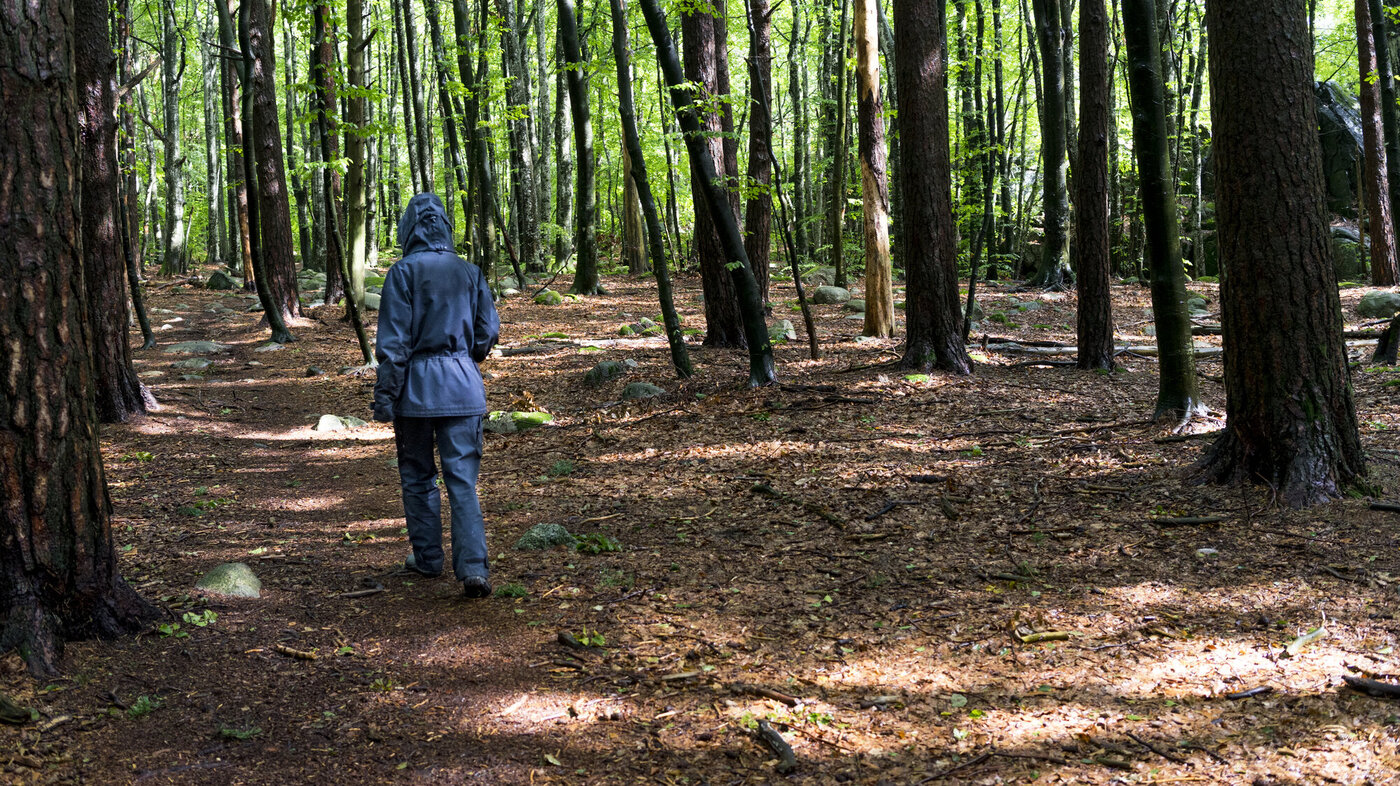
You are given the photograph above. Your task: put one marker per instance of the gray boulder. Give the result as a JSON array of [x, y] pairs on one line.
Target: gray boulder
[[545, 536], [605, 371], [820, 276], [1196, 305], [782, 331], [193, 364], [222, 280], [231, 578], [499, 423], [826, 295], [640, 390], [856, 304], [1379, 305], [330, 423], [548, 298], [371, 301]]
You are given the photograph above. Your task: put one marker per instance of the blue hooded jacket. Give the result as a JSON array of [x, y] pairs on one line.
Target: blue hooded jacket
[[436, 323]]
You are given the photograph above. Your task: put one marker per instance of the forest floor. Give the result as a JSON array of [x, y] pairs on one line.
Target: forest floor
[[858, 558]]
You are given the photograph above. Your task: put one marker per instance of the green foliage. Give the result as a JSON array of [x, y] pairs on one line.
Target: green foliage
[[143, 706], [561, 468], [512, 590], [234, 733], [596, 543]]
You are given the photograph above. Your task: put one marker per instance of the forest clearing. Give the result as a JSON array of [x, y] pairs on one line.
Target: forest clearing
[[1022, 410], [859, 557]]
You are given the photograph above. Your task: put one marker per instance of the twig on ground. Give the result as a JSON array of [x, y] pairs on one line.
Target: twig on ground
[[973, 762], [1372, 687], [1187, 521], [767, 693], [1262, 690], [1155, 749], [1388, 507], [889, 506]]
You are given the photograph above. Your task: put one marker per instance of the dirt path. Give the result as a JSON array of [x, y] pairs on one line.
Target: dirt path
[[858, 557]]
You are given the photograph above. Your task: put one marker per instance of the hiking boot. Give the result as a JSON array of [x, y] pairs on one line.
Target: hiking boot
[[411, 565], [476, 587]]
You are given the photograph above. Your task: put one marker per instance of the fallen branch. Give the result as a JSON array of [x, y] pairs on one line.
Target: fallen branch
[[889, 506], [767, 693], [1187, 521], [787, 760], [1239, 695], [973, 762], [1388, 507], [364, 593], [1372, 687], [283, 649]]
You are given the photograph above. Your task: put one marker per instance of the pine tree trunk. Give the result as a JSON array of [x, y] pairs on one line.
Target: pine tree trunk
[[680, 358], [1054, 256], [58, 568], [1177, 391], [1377, 180], [934, 322], [723, 325], [117, 390], [875, 194], [1092, 262], [274, 211], [759, 209], [1390, 115], [736, 261], [1291, 422]]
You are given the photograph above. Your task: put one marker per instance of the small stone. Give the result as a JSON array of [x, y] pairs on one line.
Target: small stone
[[640, 390], [509, 292], [330, 423], [782, 331], [315, 371], [271, 346], [545, 536], [855, 304], [548, 298], [256, 308], [191, 377], [151, 374], [827, 295], [231, 578], [605, 371], [1207, 554], [193, 364], [195, 348], [646, 322], [252, 364], [353, 422]]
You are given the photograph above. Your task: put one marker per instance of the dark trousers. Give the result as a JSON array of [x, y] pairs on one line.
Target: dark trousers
[[459, 445]]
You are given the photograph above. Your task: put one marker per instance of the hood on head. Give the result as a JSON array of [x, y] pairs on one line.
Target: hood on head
[[423, 225]]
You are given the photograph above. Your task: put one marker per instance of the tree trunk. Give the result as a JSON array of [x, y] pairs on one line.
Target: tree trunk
[[305, 223], [401, 57], [759, 208], [118, 391], [58, 568], [934, 322], [233, 133], [1291, 422], [585, 233], [323, 51], [274, 211], [413, 90], [522, 134], [723, 323], [563, 204], [252, 26], [1377, 180], [175, 259], [1177, 392], [797, 85], [875, 194], [634, 252], [357, 224], [761, 370], [836, 208], [450, 112], [213, 162], [680, 358], [1390, 115], [1092, 263], [1053, 135]]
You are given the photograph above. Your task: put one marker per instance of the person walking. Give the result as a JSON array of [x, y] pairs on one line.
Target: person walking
[[436, 323]]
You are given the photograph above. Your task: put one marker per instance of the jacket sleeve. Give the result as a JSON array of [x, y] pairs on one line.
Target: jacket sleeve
[[393, 342], [486, 327]]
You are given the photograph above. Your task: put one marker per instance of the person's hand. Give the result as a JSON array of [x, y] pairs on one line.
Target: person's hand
[[382, 414]]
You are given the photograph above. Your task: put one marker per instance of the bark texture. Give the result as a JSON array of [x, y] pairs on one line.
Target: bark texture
[[1054, 256], [274, 209], [758, 210], [875, 189], [934, 322], [585, 197], [58, 573], [118, 391], [1379, 223], [1092, 263], [1291, 422]]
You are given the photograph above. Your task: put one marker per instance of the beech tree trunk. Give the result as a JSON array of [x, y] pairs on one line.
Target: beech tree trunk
[[1177, 392], [1290, 419], [586, 199], [736, 261], [118, 391], [1054, 257], [357, 225], [1092, 258], [522, 134], [1380, 223], [875, 191], [175, 259], [723, 323], [758, 210], [634, 254], [58, 568], [934, 322], [323, 104]]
